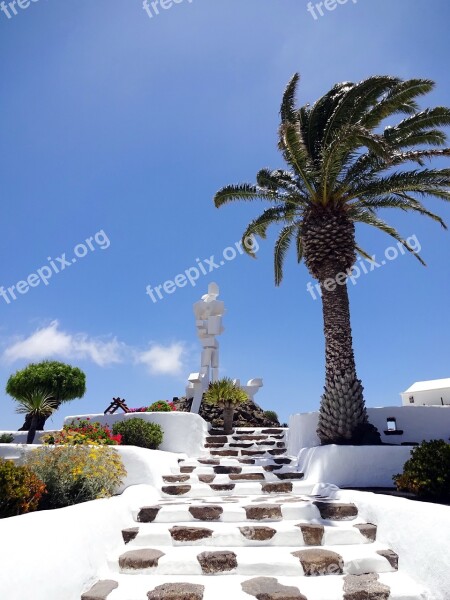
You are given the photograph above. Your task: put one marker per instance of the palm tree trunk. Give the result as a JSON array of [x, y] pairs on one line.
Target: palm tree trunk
[[343, 415], [228, 414], [33, 428]]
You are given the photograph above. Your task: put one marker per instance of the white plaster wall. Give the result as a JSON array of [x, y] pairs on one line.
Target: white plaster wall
[[57, 554], [418, 424], [183, 432], [427, 398], [353, 466], [419, 532]]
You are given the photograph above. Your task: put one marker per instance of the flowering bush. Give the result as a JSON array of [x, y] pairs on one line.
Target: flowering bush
[[20, 490], [159, 406], [76, 473], [83, 432]]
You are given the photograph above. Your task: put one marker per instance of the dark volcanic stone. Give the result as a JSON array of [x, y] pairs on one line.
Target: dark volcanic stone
[[368, 530], [206, 478], [258, 533], [241, 445], [148, 514], [268, 588], [246, 461], [190, 534], [224, 453], [277, 451], [186, 469], [101, 590], [282, 461], [295, 475], [336, 511], [217, 562], [206, 513], [209, 461], [175, 478], [217, 439], [320, 562], [129, 534], [365, 587], [247, 476], [391, 556], [177, 591], [259, 512], [271, 468], [176, 490], [277, 488], [223, 470], [312, 534], [252, 452], [222, 487], [143, 558]]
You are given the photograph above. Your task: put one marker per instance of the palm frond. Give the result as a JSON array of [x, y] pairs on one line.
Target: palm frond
[[244, 191], [281, 247]]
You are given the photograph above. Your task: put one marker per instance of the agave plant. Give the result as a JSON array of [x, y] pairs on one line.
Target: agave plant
[[344, 166], [39, 404], [227, 395]]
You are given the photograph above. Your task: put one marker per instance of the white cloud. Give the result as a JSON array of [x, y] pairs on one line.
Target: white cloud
[[50, 342], [163, 360]]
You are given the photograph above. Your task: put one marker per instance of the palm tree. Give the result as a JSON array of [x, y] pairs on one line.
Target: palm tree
[[343, 167], [226, 394], [39, 404]]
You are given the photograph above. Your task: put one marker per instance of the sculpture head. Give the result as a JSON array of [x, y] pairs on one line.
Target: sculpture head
[[213, 292]]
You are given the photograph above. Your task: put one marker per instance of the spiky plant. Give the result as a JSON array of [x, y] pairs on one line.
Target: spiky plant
[[227, 395], [343, 167], [39, 404]]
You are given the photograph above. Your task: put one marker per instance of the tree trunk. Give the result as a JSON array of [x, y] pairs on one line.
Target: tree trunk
[[343, 416], [33, 428], [228, 414], [28, 419]]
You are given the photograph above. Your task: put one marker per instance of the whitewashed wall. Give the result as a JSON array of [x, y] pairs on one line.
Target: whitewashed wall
[[417, 423]]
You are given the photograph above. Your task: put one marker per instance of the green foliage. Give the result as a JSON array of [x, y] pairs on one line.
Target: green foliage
[[37, 402], [224, 393], [427, 472], [6, 438], [343, 158], [20, 490], [137, 432], [83, 432], [62, 381], [271, 415], [160, 406], [74, 474]]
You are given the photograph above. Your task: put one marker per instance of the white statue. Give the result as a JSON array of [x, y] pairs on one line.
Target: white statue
[[208, 319]]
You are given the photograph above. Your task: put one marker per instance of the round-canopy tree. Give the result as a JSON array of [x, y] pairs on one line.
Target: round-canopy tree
[[344, 167], [62, 382]]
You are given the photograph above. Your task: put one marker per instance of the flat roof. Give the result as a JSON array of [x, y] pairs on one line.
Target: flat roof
[[424, 386]]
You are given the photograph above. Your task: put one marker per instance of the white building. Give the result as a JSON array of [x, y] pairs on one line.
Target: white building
[[428, 393]]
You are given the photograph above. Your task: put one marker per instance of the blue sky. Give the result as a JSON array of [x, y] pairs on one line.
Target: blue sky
[[119, 128]]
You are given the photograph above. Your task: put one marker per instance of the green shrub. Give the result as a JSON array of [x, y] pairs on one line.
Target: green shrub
[[271, 415], [137, 432], [427, 472], [74, 474], [161, 406], [6, 438], [20, 490]]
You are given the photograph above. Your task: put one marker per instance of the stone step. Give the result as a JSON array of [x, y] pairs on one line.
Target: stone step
[[249, 453], [206, 560], [209, 461], [266, 447], [234, 488], [244, 438], [285, 533], [226, 478], [246, 509], [396, 586]]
